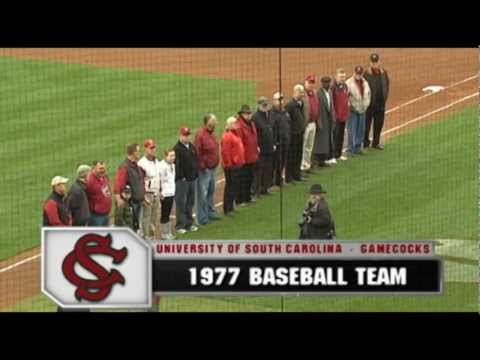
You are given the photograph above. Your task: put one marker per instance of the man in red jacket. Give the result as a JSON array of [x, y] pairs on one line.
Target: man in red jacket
[[99, 194], [248, 134], [233, 158], [208, 158], [340, 104], [55, 211]]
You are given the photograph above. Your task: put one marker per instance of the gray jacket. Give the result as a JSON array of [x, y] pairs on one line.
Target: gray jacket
[[358, 103]]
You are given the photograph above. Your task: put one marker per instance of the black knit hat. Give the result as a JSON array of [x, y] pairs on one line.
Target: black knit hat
[[245, 109], [374, 57], [317, 189]]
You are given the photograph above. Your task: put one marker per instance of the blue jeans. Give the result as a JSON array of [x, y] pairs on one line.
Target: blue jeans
[[356, 132], [205, 192], [184, 202], [98, 220]]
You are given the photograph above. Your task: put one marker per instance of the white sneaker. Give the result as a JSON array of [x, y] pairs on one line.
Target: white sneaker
[[343, 157], [181, 231], [193, 228], [333, 161]]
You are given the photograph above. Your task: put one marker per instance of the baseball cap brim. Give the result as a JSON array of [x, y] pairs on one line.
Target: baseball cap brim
[[59, 180]]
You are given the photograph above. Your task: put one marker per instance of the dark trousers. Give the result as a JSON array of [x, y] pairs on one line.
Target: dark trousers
[[279, 163], [294, 157], [375, 114], [184, 202], [166, 209], [245, 179], [136, 207], [263, 173], [338, 137], [231, 188]]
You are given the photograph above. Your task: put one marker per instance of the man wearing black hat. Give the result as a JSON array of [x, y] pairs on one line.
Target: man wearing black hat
[[379, 82], [247, 132], [317, 221], [264, 167], [323, 148]]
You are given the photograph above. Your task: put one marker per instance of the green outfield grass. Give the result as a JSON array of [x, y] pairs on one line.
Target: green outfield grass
[[56, 116], [422, 187]]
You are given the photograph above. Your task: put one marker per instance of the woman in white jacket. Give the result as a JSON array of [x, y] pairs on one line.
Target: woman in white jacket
[[359, 99], [167, 193]]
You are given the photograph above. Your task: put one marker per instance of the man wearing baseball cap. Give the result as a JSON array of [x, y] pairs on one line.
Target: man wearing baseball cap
[[379, 82], [55, 210], [186, 176], [359, 97], [77, 200], [150, 214]]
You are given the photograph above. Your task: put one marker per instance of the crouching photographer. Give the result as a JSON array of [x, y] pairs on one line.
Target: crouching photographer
[[317, 221]]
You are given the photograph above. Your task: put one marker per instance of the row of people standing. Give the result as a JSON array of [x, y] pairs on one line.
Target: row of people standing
[[277, 145]]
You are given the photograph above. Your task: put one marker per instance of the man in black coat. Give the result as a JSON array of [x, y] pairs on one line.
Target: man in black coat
[[281, 130], [186, 175], [266, 143], [77, 200], [379, 82], [297, 129], [317, 221]]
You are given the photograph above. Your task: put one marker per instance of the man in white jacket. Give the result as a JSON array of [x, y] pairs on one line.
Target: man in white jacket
[[151, 207], [359, 99]]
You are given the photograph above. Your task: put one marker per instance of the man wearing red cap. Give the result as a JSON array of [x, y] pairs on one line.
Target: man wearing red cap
[[311, 115], [151, 206], [186, 175]]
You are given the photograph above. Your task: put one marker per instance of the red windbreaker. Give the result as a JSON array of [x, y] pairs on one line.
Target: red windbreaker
[[248, 134], [233, 152]]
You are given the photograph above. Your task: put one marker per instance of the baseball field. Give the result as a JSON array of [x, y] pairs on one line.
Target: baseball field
[[64, 107]]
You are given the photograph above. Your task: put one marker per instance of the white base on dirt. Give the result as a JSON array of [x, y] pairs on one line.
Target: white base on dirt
[[433, 89]]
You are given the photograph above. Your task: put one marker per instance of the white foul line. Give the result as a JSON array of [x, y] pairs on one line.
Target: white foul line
[[19, 263], [430, 94], [385, 132], [430, 113]]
